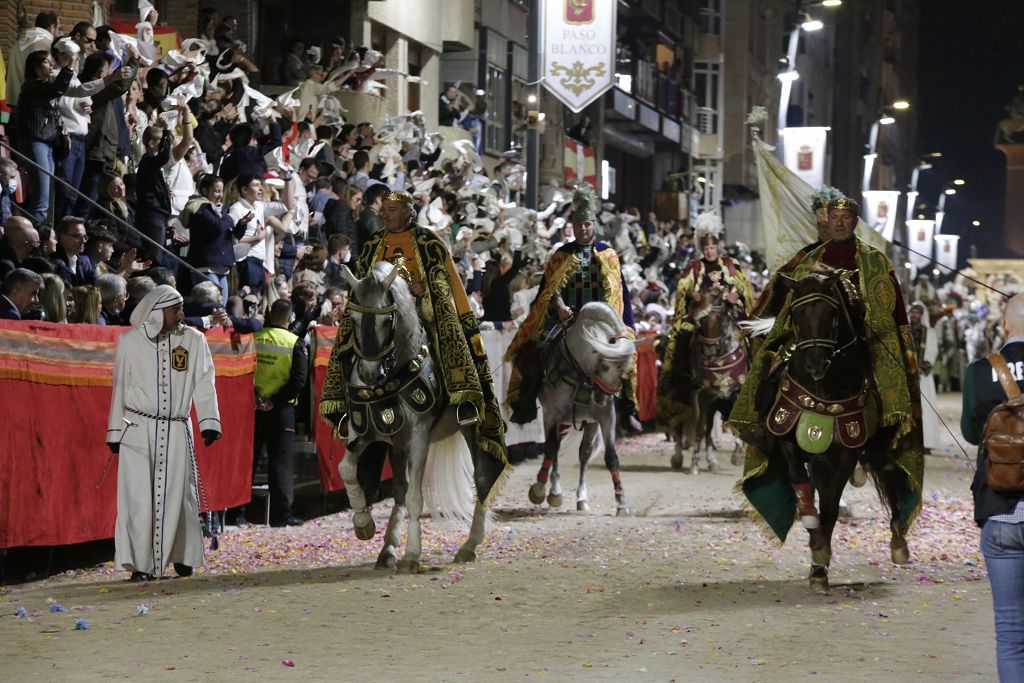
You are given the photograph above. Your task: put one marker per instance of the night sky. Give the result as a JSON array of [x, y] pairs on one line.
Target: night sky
[[971, 61]]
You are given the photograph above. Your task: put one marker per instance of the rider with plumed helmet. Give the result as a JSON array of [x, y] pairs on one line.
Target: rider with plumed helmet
[[578, 272], [425, 262], [714, 271]]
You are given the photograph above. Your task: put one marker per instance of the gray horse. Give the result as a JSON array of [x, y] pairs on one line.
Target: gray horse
[[582, 376], [396, 399]]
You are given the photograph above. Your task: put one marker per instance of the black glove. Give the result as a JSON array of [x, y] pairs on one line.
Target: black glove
[[114, 447], [209, 436]]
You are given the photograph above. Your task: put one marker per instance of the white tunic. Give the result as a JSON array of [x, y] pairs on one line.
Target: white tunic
[[155, 384]]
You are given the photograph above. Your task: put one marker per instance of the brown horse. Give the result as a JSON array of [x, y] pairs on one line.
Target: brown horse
[[719, 360], [826, 415]]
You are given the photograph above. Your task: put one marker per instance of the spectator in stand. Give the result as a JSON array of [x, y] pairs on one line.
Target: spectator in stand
[[450, 106], [20, 240], [53, 299], [113, 294], [70, 261], [339, 248], [87, 305], [112, 199], [39, 38], [242, 157], [84, 36], [8, 188], [310, 268], [335, 301], [294, 65], [341, 215], [212, 232], [204, 308], [304, 307], [370, 220], [153, 205], [214, 125], [40, 126], [361, 179], [100, 249], [19, 294], [138, 288], [252, 248], [162, 276], [325, 189], [101, 141]]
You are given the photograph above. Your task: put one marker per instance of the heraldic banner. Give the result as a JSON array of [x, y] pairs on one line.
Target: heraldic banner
[[578, 42], [55, 386]]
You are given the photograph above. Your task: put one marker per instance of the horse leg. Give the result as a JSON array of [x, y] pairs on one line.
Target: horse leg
[[801, 483], [388, 557], [698, 437], [362, 521], [611, 461], [888, 479], [555, 491], [677, 452], [467, 553], [551, 444], [586, 449], [713, 412], [829, 474], [416, 452]]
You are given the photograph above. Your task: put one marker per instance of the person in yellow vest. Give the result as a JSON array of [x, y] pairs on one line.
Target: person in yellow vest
[[282, 365]]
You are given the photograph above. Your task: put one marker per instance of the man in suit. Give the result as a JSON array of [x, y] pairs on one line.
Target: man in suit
[[19, 294], [19, 241], [70, 261]]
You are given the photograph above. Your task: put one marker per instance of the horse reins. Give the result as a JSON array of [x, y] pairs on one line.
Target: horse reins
[[389, 346]]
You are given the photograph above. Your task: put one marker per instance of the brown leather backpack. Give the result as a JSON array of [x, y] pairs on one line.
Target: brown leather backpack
[[1003, 439]]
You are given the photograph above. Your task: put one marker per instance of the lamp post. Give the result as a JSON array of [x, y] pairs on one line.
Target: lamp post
[[922, 165], [948, 190], [803, 23]]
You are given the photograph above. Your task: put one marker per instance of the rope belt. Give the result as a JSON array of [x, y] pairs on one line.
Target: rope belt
[[183, 418]]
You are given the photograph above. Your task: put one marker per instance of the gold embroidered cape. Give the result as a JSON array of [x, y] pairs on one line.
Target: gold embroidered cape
[[456, 347]]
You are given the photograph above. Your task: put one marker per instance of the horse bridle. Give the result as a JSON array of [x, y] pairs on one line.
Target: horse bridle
[[593, 377], [389, 346], [831, 343]]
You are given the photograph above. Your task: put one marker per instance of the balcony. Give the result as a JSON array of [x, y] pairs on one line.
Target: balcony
[[643, 80]]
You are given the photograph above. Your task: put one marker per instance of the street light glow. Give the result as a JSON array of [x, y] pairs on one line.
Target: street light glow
[[934, 155], [959, 181], [831, 3], [950, 191], [901, 105], [531, 98], [812, 25], [886, 120], [788, 76], [976, 223]]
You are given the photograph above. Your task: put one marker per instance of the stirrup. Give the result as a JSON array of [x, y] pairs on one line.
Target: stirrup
[[466, 413]]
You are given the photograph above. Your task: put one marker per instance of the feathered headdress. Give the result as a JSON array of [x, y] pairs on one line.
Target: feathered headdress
[[584, 203], [708, 228], [821, 197]]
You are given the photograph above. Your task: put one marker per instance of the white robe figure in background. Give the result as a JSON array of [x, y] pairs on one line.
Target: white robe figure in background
[[926, 346], [161, 367]]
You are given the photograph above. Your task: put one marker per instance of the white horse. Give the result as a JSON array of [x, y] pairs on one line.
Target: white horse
[[395, 398], [581, 378]]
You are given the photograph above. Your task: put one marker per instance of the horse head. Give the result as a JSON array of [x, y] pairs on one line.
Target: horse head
[[600, 345], [386, 328], [815, 308]]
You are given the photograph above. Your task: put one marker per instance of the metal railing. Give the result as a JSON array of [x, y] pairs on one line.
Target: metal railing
[[118, 220]]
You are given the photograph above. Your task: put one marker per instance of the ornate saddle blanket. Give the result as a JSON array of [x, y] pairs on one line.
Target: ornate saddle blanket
[[817, 421], [417, 389], [725, 375]]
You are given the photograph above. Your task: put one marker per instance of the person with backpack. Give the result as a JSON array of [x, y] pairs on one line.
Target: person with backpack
[[993, 416]]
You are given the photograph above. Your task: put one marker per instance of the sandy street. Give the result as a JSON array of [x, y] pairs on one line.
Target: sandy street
[[686, 590]]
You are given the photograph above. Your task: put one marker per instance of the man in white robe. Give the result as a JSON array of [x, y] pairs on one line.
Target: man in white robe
[[160, 369]]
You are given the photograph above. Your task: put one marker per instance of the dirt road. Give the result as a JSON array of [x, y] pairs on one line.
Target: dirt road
[[686, 590]]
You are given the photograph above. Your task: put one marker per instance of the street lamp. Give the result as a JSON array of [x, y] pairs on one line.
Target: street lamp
[[959, 181], [886, 119], [922, 165], [812, 25], [806, 23], [900, 105]]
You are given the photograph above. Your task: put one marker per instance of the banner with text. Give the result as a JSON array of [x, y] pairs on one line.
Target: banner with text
[[880, 211], [804, 150], [578, 41]]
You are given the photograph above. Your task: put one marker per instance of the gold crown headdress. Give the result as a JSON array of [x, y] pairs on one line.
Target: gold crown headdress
[[846, 204], [403, 197]]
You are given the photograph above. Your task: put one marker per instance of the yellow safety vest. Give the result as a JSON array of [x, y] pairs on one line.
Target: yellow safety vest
[[274, 347]]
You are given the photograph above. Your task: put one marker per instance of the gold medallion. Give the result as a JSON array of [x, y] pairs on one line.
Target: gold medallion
[[814, 432], [419, 396], [387, 415], [179, 359], [853, 429], [781, 416]]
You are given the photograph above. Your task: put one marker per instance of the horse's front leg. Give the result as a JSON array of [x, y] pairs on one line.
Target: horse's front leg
[[586, 449], [362, 520], [416, 452], [551, 443], [829, 474], [611, 460], [700, 432], [388, 556]]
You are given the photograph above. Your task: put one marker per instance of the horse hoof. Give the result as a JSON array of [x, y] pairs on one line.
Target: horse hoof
[[737, 459], [694, 469], [582, 506], [464, 556], [408, 567], [623, 511], [537, 493], [364, 527], [555, 500], [677, 461], [900, 552], [715, 468], [386, 560], [818, 579]]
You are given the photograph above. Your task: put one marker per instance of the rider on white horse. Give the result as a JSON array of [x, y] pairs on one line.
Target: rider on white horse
[[578, 273]]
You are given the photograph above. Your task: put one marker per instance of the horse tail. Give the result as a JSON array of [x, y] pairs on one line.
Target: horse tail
[[449, 493]]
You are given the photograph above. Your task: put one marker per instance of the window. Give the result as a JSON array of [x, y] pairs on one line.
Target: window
[[495, 140]]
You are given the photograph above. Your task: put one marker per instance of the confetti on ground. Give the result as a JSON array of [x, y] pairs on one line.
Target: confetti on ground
[[81, 625]]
